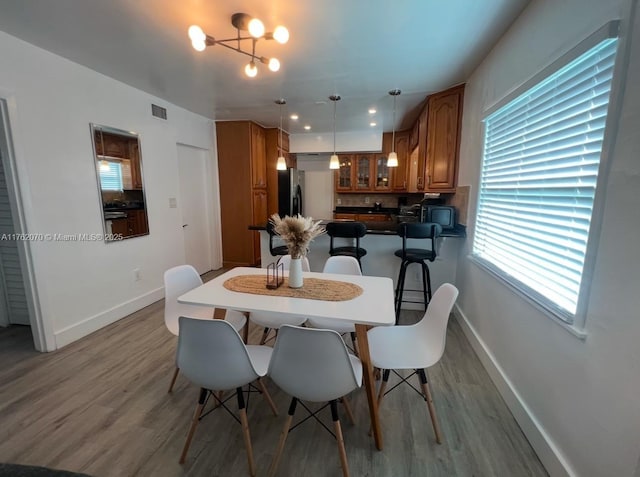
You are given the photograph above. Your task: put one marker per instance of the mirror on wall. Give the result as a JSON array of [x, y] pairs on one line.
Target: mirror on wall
[[118, 161]]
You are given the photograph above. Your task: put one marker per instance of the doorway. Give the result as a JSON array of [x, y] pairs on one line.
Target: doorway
[[195, 207], [18, 304]]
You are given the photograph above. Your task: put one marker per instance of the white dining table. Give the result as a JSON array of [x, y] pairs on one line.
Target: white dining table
[[374, 307]]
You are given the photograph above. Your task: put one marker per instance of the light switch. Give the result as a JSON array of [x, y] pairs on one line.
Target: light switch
[[173, 203]]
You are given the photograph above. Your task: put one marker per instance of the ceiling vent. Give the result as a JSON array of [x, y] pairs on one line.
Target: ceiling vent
[[159, 111]]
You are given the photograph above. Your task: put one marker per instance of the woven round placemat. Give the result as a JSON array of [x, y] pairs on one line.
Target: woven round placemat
[[313, 288]]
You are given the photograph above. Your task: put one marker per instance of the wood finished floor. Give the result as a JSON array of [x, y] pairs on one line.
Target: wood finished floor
[[100, 406]]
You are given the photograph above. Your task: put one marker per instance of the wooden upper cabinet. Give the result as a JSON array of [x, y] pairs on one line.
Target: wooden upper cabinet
[[363, 172], [381, 173], [258, 157], [443, 139], [421, 148], [136, 170], [415, 134], [344, 175], [399, 175]]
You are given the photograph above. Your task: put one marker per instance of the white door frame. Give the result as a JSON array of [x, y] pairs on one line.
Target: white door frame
[[212, 206], [43, 337]]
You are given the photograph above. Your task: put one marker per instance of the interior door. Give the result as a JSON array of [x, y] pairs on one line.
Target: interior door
[[194, 209]]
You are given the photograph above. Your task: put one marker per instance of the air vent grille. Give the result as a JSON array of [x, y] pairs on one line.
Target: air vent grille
[[158, 111]]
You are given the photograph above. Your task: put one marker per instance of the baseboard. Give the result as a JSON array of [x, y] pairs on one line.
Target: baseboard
[[550, 455], [93, 323]]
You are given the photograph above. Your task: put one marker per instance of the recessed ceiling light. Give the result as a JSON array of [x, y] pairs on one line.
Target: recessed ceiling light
[[372, 111], [307, 127], [294, 117], [373, 124]]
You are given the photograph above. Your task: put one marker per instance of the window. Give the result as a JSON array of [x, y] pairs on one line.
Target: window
[[111, 175], [538, 180]]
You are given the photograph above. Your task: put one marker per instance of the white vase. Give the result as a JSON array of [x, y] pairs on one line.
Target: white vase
[[295, 273]]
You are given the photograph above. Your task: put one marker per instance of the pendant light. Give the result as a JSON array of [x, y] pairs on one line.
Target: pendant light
[[334, 162], [392, 160], [281, 165], [104, 164]]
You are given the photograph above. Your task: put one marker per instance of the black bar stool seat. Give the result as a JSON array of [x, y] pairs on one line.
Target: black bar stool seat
[[420, 231], [275, 250], [350, 230]]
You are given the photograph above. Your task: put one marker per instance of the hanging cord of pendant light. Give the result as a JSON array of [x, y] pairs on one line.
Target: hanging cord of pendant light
[[334, 162], [281, 165], [392, 160]]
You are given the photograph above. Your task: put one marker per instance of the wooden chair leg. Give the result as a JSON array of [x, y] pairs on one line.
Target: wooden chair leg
[[245, 432], [265, 333], [283, 438], [430, 406], [194, 424], [383, 386], [338, 430], [347, 409], [173, 379], [267, 397]]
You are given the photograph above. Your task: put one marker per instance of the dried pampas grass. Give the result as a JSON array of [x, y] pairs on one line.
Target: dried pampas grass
[[296, 232]]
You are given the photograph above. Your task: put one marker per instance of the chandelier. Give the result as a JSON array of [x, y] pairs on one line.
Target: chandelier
[[256, 31]]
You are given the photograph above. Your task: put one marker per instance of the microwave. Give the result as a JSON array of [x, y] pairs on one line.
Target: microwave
[[445, 215]]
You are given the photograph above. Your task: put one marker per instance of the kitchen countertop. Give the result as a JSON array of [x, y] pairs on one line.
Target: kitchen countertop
[[388, 227]]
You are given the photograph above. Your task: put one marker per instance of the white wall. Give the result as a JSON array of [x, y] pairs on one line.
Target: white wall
[[84, 286], [318, 186], [576, 400], [345, 142]]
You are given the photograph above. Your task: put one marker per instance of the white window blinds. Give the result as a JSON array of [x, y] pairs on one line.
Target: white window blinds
[[538, 180], [110, 175]]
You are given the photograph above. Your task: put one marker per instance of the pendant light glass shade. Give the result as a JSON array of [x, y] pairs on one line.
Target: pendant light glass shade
[[281, 163], [392, 159], [334, 162]]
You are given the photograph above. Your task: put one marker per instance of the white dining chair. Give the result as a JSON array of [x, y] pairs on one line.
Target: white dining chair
[[178, 281], [212, 355], [273, 321], [415, 347], [313, 365], [343, 265]]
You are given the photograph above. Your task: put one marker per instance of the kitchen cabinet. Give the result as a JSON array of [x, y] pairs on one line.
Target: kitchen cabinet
[[242, 169], [120, 227], [136, 222], [136, 170], [273, 149], [258, 157], [364, 217], [344, 175], [363, 172], [399, 175], [381, 173], [443, 139], [113, 147]]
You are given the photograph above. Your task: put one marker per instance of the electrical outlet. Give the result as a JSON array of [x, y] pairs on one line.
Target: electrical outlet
[[366, 200], [339, 201], [136, 275]]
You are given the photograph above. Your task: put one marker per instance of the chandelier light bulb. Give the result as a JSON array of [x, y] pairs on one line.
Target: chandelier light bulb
[[196, 34], [198, 45], [251, 70], [281, 34], [256, 28], [105, 166], [274, 64], [334, 162]]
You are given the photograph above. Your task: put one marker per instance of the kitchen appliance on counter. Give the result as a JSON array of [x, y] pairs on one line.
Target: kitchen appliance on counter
[[409, 213], [445, 215], [290, 192]]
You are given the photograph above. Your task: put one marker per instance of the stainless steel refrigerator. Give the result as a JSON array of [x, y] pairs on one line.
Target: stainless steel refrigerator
[[290, 192]]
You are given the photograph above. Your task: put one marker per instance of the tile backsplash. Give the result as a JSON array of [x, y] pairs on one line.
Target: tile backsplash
[[367, 200]]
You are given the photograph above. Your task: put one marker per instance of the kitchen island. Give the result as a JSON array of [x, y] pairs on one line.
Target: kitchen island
[[381, 241]]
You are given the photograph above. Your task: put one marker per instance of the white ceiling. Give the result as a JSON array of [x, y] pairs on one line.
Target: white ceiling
[[358, 49]]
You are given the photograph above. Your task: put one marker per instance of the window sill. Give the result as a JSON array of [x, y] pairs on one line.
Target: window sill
[[576, 331]]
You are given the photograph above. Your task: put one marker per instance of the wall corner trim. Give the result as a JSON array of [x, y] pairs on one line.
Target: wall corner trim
[[547, 450]]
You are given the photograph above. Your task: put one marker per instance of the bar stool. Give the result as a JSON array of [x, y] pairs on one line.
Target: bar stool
[[418, 230], [275, 250], [350, 230]]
